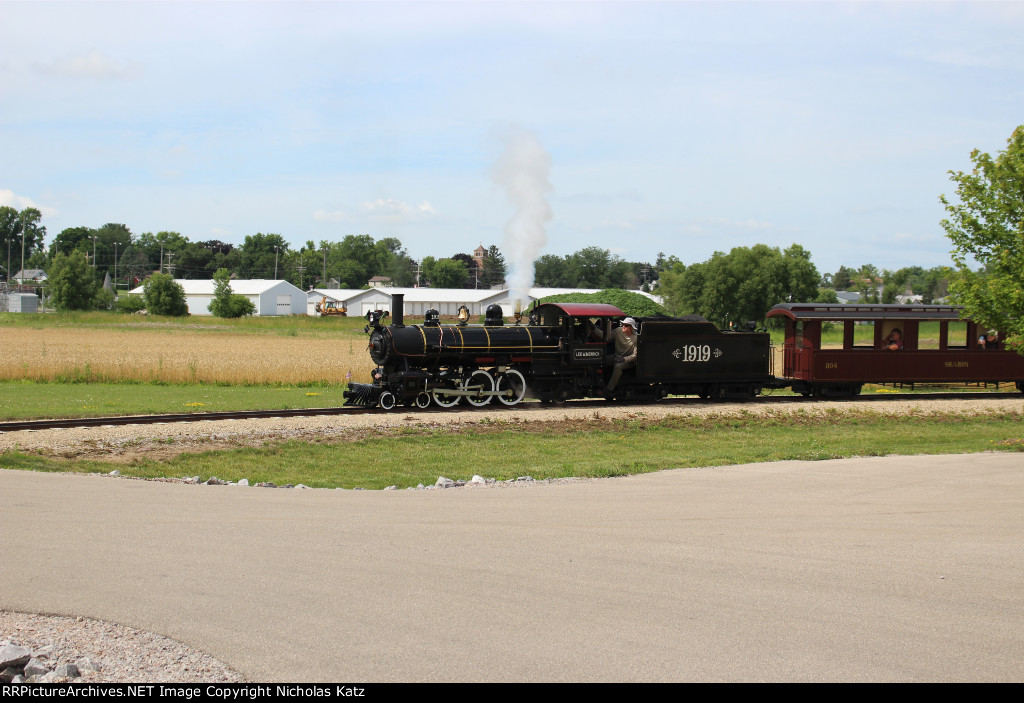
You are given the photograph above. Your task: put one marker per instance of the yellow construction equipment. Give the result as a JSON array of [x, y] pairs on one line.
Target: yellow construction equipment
[[331, 307]]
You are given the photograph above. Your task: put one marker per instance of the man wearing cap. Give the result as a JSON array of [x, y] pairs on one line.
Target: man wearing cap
[[625, 350]]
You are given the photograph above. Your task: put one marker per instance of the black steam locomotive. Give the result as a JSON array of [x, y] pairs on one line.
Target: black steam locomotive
[[556, 356]]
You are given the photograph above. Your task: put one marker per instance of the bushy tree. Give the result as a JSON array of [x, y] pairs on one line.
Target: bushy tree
[[130, 303], [104, 299], [590, 267], [986, 225], [258, 254], [625, 300], [741, 285], [72, 282], [448, 273], [494, 267], [164, 296], [225, 303], [12, 225]]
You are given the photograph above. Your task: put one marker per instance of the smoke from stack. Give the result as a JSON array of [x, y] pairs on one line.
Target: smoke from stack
[[523, 170]]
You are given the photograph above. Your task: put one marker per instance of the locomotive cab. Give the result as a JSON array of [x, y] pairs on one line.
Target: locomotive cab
[[573, 326]]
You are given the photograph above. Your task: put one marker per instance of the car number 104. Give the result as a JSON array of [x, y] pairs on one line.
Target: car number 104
[[693, 353]]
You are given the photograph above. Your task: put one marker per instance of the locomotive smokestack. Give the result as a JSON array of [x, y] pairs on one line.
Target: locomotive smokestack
[[398, 309]]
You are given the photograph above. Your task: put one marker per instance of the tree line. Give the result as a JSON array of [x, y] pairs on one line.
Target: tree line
[[742, 284], [985, 225]]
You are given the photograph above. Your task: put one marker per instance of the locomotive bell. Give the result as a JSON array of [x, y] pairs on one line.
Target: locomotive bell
[[463, 314]]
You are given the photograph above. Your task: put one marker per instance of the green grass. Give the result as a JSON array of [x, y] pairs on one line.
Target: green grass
[[289, 325], [25, 400], [594, 449]]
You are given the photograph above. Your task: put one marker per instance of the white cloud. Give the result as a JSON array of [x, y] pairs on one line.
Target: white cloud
[[91, 64], [739, 224], [20, 202], [908, 237], [389, 207], [329, 215], [618, 224]]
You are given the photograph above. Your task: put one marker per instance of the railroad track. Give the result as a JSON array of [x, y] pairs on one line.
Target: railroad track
[[20, 425]]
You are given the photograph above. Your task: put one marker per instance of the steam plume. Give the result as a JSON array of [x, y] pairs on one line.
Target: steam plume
[[523, 170]]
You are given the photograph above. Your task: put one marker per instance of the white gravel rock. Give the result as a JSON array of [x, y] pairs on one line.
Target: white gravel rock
[[104, 652]]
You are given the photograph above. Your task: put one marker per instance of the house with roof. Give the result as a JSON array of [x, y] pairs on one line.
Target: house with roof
[[30, 276]]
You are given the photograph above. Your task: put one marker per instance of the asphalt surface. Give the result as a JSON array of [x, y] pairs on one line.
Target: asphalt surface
[[880, 569]]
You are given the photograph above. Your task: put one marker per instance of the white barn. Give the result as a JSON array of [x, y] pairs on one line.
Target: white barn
[[269, 297], [446, 301]]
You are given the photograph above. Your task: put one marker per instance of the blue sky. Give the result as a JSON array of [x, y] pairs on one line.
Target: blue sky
[[679, 127]]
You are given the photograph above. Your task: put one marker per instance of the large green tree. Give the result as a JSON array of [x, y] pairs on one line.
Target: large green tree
[[164, 296], [494, 267], [225, 303], [71, 281], [986, 226], [448, 273], [741, 285], [12, 224], [259, 253]]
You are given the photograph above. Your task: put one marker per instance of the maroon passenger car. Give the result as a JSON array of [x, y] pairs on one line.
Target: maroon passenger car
[[979, 356]]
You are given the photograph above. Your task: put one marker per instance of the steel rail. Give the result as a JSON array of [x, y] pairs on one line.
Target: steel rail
[[19, 425]]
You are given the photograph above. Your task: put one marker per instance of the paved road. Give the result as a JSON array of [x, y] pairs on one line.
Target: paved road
[[869, 569]]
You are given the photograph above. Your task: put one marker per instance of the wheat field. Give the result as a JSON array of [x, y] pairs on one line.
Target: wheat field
[[178, 356]]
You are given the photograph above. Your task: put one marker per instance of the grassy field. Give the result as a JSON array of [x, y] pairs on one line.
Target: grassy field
[[589, 449], [112, 348], [27, 400]]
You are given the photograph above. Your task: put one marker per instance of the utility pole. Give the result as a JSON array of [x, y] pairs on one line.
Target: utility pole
[[324, 277], [22, 247], [170, 266], [276, 249], [115, 267], [93, 250]]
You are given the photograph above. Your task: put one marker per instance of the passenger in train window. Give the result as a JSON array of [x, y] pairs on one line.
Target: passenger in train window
[[894, 341]]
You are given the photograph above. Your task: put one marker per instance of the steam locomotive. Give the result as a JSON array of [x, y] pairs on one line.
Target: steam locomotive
[[557, 356]]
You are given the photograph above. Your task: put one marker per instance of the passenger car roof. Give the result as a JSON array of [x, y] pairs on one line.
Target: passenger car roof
[[838, 311]]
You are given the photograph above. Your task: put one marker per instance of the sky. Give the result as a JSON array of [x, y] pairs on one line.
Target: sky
[[676, 127]]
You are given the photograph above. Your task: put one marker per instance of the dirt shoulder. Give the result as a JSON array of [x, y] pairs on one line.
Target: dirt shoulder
[[127, 443]]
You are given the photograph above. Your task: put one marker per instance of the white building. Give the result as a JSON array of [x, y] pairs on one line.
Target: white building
[[446, 301], [269, 297]]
